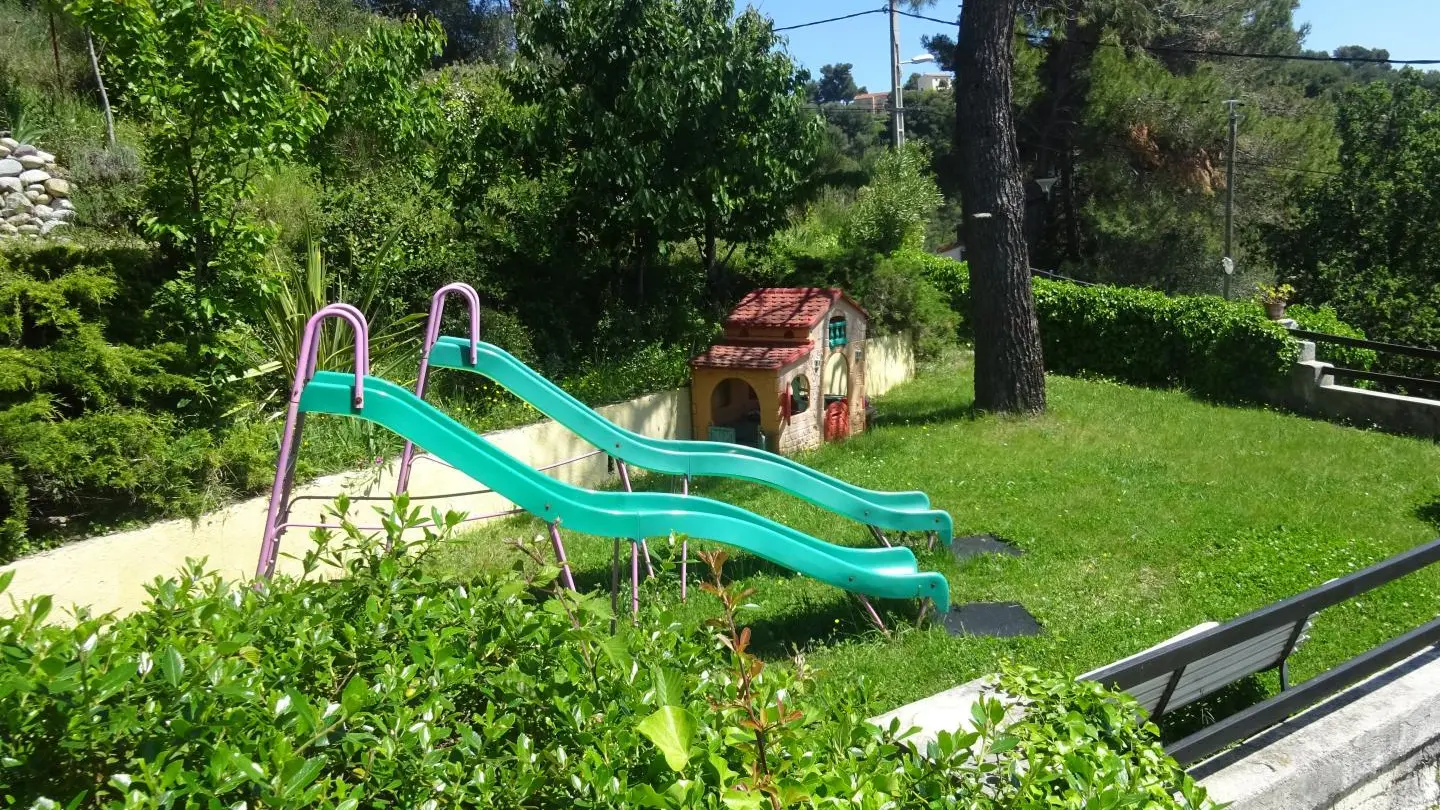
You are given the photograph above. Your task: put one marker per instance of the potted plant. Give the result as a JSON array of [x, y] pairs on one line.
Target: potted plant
[[1274, 297]]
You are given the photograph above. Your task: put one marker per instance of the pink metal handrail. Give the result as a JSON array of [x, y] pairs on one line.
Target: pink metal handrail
[[432, 334], [305, 368]]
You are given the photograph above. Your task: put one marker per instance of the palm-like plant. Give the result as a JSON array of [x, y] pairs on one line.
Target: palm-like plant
[[296, 293]]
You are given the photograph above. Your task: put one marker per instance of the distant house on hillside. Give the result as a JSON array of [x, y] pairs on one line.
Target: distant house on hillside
[[935, 81], [871, 101], [954, 250]]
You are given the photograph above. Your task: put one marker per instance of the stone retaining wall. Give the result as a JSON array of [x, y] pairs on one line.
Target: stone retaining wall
[[34, 193]]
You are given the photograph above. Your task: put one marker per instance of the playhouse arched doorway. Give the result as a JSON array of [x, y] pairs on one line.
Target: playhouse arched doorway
[[836, 381], [735, 413], [836, 385]]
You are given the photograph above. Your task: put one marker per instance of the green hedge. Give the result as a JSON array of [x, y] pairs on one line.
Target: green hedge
[[1225, 350], [389, 688]]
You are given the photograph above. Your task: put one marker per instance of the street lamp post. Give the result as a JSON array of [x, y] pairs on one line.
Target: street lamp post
[[895, 87]]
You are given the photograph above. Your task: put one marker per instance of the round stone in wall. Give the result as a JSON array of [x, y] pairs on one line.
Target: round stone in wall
[[9, 143], [32, 161], [9, 167], [43, 211], [23, 150], [57, 187], [51, 225], [29, 230], [10, 184], [63, 204], [34, 176]]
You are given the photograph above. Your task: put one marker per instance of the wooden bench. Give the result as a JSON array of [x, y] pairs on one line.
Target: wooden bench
[[1185, 669]]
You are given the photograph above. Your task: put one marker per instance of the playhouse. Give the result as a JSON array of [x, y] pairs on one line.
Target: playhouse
[[788, 374]]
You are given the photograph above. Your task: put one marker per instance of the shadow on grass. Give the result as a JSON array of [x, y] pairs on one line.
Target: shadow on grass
[[925, 414], [816, 624], [1429, 512]]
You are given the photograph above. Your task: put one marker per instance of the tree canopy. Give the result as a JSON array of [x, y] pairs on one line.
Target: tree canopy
[[836, 84]]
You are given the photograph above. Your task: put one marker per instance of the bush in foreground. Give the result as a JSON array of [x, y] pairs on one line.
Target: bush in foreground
[[389, 688]]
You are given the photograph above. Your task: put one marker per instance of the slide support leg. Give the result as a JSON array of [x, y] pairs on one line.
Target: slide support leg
[[684, 547], [934, 538], [279, 509], [624, 470], [872, 613], [614, 584], [635, 583], [879, 536], [559, 545]]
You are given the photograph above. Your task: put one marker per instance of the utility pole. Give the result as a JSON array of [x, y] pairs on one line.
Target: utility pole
[[897, 113], [1228, 263]]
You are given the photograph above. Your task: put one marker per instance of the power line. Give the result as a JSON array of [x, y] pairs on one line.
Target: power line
[[1285, 57], [833, 19], [923, 17]]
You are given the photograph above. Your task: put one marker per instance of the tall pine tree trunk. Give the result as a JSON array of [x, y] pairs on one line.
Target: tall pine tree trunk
[[1009, 369]]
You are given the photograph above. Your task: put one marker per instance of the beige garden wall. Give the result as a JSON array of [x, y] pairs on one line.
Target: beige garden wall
[[889, 361], [109, 573]]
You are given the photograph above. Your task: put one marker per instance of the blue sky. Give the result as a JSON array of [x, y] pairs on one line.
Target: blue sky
[[1406, 27]]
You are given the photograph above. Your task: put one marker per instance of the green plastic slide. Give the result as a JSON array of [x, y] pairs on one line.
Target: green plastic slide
[[900, 511], [890, 573]]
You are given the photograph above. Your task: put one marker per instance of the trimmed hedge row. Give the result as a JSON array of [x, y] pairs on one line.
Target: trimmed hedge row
[[390, 688], [1224, 350]]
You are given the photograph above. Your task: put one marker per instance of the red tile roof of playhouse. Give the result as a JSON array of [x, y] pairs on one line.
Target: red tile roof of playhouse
[[731, 355], [786, 307]]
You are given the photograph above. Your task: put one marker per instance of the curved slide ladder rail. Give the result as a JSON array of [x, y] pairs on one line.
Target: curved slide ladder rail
[[880, 572]]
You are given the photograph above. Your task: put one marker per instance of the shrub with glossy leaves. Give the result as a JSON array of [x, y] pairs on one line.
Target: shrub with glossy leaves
[[391, 688], [1225, 350], [1324, 319]]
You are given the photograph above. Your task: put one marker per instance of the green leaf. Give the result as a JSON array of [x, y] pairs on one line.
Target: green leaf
[[1003, 744], [172, 666], [643, 795], [356, 695], [115, 680], [40, 608], [668, 689], [5, 578], [671, 729], [298, 774], [743, 800], [618, 651]]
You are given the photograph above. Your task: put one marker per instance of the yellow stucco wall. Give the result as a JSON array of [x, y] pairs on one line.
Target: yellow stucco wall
[[889, 361], [704, 382]]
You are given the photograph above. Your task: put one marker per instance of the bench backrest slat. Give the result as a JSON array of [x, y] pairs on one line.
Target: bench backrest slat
[[1218, 670]]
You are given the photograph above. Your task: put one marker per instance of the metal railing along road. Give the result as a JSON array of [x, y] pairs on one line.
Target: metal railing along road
[[1431, 386]]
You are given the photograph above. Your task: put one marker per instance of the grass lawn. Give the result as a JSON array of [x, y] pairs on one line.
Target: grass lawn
[[1141, 513]]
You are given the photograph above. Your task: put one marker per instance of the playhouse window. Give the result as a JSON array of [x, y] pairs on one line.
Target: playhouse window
[[837, 331], [799, 395]]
